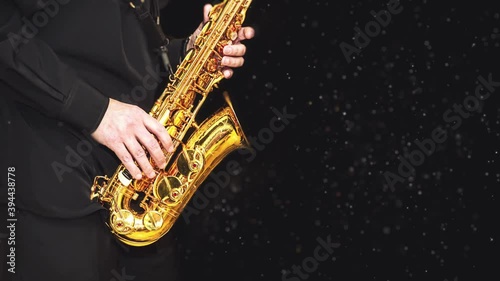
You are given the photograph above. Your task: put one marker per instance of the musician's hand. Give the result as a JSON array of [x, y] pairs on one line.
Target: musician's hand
[[233, 54], [126, 129]]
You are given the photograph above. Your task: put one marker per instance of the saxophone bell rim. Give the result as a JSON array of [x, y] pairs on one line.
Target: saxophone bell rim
[[244, 139]]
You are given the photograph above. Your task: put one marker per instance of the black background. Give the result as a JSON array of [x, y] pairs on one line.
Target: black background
[[323, 175]]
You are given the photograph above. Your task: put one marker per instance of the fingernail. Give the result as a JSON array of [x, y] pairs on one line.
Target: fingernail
[[152, 174], [138, 176], [171, 149], [228, 49]]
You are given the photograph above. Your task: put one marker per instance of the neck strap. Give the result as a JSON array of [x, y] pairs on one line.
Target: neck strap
[[152, 28]]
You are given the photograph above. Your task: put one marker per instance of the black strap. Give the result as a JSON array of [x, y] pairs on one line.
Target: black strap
[[154, 33]]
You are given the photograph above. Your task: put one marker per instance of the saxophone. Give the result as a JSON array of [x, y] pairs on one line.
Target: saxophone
[[142, 211]]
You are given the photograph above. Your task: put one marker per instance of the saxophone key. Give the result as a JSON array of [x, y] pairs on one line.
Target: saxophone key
[[125, 177], [152, 220], [122, 221], [169, 189], [232, 33], [212, 65], [221, 45]]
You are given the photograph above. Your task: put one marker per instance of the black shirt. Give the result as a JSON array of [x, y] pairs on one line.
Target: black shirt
[[60, 62]]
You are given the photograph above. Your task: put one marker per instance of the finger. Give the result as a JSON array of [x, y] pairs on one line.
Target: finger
[[232, 61], [153, 147], [228, 72], [246, 33], [237, 50], [206, 11], [127, 160], [140, 156], [160, 132]]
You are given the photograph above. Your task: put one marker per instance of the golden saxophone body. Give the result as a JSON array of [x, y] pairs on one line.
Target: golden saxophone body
[[142, 211]]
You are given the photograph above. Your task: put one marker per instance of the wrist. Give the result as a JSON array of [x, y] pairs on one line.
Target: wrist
[[189, 43]]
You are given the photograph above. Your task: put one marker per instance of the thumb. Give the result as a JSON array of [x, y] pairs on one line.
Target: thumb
[[206, 11]]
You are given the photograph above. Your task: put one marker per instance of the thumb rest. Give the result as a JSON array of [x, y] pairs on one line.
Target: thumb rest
[[142, 211]]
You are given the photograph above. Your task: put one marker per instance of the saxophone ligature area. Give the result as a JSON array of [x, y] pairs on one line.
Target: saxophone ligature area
[[142, 211]]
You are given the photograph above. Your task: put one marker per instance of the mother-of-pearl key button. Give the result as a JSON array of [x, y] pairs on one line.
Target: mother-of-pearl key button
[[125, 177]]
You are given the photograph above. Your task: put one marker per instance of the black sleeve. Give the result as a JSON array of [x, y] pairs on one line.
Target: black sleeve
[[39, 78]]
